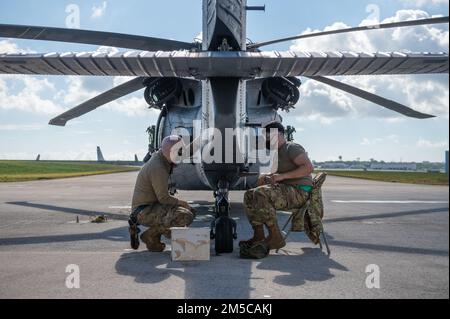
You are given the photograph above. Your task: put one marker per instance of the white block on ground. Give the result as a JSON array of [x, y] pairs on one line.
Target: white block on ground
[[190, 244]]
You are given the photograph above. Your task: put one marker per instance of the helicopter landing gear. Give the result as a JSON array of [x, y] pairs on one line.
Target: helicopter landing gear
[[223, 228]]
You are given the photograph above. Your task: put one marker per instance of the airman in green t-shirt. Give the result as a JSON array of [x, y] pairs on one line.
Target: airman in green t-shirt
[[286, 188]]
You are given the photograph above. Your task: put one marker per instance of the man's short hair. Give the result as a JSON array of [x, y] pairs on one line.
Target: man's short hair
[[275, 125]]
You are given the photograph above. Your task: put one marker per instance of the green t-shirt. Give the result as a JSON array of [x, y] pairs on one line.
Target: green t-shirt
[[286, 156]]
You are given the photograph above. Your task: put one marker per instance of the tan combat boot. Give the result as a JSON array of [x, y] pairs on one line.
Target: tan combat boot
[[275, 240], [152, 239], [258, 236]]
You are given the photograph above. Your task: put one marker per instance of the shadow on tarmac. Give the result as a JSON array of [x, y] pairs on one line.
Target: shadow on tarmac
[[69, 210], [312, 265], [117, 234], [226, 282], [201, 280], [204, 211]]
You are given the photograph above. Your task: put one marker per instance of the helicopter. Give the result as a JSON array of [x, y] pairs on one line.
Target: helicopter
[[223, 82]]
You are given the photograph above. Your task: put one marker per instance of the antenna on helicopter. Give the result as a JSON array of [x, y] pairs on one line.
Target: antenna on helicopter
[[256, 8]]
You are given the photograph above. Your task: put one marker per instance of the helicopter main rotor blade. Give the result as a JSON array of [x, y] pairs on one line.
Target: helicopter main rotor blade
[[100, 38], [401, 24], [389, 104], [106, 97], [201, 65]]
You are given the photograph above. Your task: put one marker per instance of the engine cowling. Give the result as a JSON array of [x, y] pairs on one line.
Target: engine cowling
[[162, 91], [283, 93]]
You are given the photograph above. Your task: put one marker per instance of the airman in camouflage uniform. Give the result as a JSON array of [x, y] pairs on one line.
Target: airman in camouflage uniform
[[160, 218], [152, 205], [261, 203], [287, 189]]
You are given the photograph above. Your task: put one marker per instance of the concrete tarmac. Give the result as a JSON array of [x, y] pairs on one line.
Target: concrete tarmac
[[401, 230]]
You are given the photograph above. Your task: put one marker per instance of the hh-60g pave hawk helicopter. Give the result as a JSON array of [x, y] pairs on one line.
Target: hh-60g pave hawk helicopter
[[225, 82]]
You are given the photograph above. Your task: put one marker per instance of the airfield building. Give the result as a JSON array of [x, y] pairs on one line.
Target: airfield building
[[394, 166]]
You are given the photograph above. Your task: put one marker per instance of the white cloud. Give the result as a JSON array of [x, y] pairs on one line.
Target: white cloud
[[365, 141], [7, 46], [27, 95], [81, 89], [323, 103], [427, 93], [76, 93], [118, 80], [420, 38], [20, 127], [131, 106], [424, 3], [424, 143], [107, 49], [99, 11], [392, 139], [84, 132]]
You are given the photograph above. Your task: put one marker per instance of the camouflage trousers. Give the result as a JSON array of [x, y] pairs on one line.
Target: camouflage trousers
[[160, 218], [309, 220], [261, 203]]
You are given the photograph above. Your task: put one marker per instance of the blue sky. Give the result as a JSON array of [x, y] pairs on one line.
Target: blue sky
[[329, 123]]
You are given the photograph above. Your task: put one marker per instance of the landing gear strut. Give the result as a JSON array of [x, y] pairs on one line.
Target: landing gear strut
[[223, 228]]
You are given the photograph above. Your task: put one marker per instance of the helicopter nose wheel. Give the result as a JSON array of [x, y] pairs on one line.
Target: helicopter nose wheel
[[223, 228], [223, 231]]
